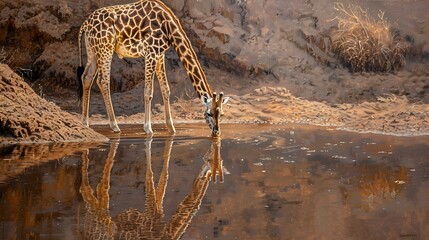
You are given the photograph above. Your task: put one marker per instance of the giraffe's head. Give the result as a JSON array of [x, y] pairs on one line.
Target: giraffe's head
[[213, 111]]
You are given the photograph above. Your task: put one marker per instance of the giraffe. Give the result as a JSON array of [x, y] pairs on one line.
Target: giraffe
[[144, 29], [149, 223]]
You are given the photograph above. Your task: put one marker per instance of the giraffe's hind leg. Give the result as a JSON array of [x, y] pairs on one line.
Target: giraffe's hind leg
[[103, 82], [87, 80], [165, 90], [150, 64]]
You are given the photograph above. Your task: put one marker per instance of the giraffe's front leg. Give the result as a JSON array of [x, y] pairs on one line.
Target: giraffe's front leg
[[165, 90], [148, 93], [147, 126], [168, 118]]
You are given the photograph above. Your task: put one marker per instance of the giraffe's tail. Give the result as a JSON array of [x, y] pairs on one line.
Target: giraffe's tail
[[80, 69], [79, 72]]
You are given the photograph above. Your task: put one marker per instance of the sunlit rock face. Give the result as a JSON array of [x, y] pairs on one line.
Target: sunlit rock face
[[284, 40]]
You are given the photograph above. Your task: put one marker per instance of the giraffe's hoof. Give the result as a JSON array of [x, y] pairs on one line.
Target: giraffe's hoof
[[116, 129], [148, 130], [171, 129], [85, 123]]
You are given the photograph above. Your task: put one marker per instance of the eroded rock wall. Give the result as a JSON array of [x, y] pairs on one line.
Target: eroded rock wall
[[284, 40], [239, 36]]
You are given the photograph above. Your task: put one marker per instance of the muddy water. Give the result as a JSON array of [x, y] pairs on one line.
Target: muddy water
[[257, 182]]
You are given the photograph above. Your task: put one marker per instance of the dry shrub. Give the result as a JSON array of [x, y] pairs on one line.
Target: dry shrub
[[366, 44], [184, 100]]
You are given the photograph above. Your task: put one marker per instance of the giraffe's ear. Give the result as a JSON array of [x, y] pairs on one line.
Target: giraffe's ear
[[225, 100]]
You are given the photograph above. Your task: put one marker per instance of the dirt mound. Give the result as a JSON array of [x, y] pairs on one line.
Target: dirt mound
[[389, 115], [26, 117]]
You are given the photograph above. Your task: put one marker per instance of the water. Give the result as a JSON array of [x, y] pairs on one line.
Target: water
[[257, 182]]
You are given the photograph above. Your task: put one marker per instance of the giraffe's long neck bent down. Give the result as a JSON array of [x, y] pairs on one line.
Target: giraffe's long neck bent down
[[190, 62], [180, 42]]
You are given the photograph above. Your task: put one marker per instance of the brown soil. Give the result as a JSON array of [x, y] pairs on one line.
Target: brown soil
[[26, 117], [388, 115]]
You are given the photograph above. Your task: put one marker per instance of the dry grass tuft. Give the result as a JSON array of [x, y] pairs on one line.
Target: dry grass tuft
[[366, 44], [184, 102]]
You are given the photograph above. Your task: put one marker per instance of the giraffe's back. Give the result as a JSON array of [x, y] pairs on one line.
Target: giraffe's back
[[132, 30], [140, 29]]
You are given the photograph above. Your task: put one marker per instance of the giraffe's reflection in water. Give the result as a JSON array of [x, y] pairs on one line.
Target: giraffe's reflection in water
[[150, 223]]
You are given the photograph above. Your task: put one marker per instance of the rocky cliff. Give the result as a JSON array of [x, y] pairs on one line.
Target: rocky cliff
[[271, 42]]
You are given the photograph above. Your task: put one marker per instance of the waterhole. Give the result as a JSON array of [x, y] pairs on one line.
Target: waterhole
[[256, 182]]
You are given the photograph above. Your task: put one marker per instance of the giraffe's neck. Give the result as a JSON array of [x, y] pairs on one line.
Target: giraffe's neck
[[192, 66], [187, 55]]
